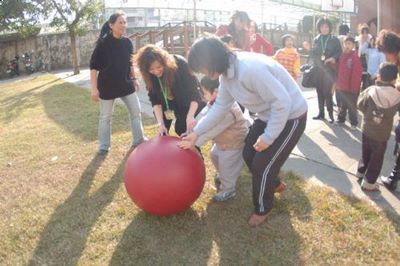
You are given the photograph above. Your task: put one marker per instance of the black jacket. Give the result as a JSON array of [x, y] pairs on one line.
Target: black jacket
[[112, 58], [185, 89], [333, 49]]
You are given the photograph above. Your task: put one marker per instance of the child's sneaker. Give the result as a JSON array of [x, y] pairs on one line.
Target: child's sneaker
[[224, 195], [369, 187]]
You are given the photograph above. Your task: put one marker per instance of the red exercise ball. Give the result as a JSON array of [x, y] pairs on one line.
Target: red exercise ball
[[163, 179]]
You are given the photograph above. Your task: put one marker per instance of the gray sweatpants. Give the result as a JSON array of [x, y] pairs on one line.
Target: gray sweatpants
[[228, 163]]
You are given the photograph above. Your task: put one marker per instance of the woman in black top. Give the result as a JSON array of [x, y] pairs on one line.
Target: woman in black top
[[173, 89], [112, 59], [325, 54]]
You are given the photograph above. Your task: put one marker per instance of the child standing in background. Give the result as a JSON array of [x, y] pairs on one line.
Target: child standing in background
[[379, 104], [228, 137], [374, 60], [288, 56], [348, 83]]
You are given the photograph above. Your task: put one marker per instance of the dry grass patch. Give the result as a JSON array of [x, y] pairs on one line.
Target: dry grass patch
[[63, 205]]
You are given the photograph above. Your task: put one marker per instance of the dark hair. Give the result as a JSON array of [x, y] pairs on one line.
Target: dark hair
[[238, 36], [350, 39], [372, 42], [209, 53], [344, 29], [285, 37], [226, 38], [388, 42], [209, 84], [241, 16], [255, 25], [364, 29], [323, 21], [105, 29], [388, 72]]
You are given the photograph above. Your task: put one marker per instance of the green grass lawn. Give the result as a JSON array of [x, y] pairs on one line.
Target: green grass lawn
[[60, 204]]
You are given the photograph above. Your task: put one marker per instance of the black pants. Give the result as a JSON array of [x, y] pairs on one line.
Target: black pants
[[326, 79], [366, 81], [373, 153], [265, 165], [347, 101], [180, 124]]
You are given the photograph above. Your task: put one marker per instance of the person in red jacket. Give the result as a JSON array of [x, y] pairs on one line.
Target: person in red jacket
[[348, 83], [238, 29], [258, 43]]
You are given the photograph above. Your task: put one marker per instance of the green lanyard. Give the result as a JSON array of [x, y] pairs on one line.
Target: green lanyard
[[324, 44], [164, 93]]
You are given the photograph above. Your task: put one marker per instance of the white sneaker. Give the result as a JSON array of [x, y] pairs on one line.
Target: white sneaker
[[369, 187], [224, 195]]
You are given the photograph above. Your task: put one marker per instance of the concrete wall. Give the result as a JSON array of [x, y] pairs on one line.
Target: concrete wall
[[54, 49]]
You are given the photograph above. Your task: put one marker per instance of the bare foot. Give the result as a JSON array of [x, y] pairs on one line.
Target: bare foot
[[256, 220], [279, 189]]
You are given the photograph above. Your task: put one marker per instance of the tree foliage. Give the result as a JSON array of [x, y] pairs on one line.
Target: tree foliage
[[20, 16], [73, 15]]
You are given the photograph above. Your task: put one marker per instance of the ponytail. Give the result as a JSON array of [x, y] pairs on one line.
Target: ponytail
[[105, 30]]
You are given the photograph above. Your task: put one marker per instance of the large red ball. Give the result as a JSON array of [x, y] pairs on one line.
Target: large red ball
[[163, 179]]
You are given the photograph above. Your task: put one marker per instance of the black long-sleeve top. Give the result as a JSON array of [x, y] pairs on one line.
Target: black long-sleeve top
[[333, 49], [112, 58], [185, 89]]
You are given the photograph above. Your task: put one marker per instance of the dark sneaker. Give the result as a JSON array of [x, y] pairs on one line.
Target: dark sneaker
[[389, 183], [102, 152], [318, 117]]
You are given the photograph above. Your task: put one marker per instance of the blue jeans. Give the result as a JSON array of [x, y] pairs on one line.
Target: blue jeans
[[106, 110]]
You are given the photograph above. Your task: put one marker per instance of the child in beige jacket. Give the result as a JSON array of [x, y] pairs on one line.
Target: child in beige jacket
[[228, 137]]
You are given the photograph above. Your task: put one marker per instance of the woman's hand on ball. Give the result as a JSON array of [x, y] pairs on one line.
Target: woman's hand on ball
[[162, 130], [188, 141]]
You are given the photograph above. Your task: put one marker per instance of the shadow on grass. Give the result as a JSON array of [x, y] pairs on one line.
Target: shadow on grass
[[218, 236], [275, 242], [63, 238], [183, 239], [71, 108], [16, 104]]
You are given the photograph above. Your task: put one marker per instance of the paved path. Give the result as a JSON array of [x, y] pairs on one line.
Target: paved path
[[326, 154]]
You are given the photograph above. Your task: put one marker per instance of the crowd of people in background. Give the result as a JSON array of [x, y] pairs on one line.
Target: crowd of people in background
[[266, 85]]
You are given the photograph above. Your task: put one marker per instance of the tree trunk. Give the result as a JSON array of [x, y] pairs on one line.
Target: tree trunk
[[75, 62]]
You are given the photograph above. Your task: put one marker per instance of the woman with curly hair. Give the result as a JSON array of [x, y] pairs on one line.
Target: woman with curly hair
[[173, 90]]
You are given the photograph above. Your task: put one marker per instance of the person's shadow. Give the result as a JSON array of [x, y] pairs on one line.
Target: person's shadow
[[71, 108], [308, 165], [64, 237], [182, 239], [275, 242]]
